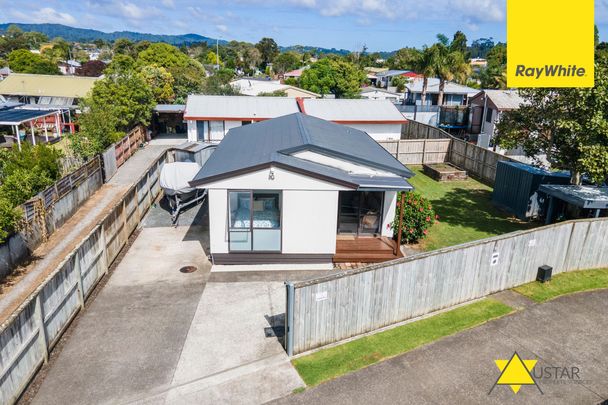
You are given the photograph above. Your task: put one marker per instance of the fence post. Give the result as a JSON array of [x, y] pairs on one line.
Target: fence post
[[290, 297], [424, 141], [397, 152], [39, 315], [79, 279], [104, 248]]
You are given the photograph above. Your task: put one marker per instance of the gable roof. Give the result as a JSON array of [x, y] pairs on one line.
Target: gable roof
[[21, 84], [351, 111], [253, 87], [502, 99], [256, 146]]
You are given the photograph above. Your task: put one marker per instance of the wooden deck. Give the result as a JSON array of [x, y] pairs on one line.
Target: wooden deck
[[365, 249]]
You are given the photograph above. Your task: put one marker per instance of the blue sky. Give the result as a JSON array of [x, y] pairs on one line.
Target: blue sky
[[349, 24]]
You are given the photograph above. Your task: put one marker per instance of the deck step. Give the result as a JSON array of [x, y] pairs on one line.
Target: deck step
[[360, 257]]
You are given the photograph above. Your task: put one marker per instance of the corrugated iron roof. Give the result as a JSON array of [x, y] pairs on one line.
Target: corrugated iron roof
[[254, 146], [415, 86], [238, 107], [16, 116], [505, 99], [20, 84], [354, 110]]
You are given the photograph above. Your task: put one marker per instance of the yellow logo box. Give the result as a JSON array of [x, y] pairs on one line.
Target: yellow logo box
[[550, 43]]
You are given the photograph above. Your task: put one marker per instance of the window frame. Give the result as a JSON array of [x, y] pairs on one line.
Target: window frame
[[251, 228]]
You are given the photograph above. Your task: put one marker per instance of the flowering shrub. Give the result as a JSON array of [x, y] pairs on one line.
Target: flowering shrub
[[418, 217]]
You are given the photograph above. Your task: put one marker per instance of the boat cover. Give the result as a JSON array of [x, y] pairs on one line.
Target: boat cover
[[174, 177]]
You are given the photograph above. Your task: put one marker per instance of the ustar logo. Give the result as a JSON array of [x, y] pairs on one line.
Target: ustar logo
[[515, 372], [549, 71]]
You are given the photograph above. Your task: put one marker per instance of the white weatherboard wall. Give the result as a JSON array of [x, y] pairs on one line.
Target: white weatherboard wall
[[309, 209], [380, 132], [388, 214]]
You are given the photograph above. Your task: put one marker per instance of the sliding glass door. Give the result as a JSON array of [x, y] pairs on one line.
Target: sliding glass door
[[255, 221], [360, 212]]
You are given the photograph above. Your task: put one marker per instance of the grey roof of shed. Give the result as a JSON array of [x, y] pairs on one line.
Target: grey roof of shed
[[582, 196], [17, 116], [253, 147]]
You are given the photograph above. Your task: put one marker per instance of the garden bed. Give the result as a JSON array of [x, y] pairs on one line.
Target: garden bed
[[444, 172]]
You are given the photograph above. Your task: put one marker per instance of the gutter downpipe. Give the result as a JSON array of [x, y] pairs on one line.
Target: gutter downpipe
[[290, 298]]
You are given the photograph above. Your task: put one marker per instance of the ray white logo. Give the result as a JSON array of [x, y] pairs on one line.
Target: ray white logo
[[550, 71]]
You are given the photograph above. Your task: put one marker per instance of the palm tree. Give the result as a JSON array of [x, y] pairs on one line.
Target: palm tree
[[448, 65], [422, 62]]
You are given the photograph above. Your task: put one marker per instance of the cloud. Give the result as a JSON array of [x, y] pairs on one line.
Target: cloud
[[168, 3], [45, 15], [222, 28]]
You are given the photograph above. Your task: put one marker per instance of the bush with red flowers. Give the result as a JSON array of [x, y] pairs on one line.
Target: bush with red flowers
[[418, 217]]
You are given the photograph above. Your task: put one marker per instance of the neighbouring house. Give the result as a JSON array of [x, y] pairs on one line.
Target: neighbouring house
[[453, 93], [294, 74], [255, 87], [383, 79], [299, 189], [68, 67], [486, 108], [4, 72], [372, 72], [477, 63], [46, 91], [209, 118], [374, 93]]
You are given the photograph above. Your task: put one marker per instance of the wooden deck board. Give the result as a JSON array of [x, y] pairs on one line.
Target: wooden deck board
[[365, 250]]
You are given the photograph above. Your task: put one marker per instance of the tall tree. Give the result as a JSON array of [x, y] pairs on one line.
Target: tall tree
[[268, 50], [448, 64], [333, 76], [459, 44], [286, 61], [568, 125], [92, 68], [24, 61]]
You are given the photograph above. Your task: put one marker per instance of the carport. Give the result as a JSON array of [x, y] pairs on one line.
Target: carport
[[584, 197], [15, 117]]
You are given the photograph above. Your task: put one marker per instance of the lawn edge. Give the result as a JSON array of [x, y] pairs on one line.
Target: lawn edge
[[306, 386]]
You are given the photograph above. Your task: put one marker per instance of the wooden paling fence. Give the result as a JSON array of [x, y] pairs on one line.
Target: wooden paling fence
[[332, 308], [27, 337], [423, 143], [117, 154]]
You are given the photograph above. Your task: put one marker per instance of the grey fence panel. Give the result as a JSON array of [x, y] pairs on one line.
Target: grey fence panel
[[28, 335], [336, 307], [20, 353], [132, 211], [60, 300], [109, 162]]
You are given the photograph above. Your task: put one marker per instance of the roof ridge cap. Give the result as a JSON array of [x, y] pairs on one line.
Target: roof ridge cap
[[303, 130]]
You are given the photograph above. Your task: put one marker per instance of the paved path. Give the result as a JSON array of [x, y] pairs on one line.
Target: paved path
[[63, 240], [567, 332], [154, 335]]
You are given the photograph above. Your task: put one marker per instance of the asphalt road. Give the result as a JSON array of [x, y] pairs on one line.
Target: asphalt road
[[567, 332]]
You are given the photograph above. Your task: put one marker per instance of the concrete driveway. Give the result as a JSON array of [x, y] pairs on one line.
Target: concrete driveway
[[567, 332], [156, 335]]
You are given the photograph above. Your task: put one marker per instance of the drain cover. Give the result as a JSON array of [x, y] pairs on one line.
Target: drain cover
[[188, 269]]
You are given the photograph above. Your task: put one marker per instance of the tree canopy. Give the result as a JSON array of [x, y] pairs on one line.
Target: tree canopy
[[24, 61], [338, 77], [569, 125]]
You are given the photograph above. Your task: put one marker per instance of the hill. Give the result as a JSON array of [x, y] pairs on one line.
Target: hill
[[73, 34]]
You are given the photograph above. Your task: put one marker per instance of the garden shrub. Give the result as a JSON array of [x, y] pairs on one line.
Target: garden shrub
[[418, 217]]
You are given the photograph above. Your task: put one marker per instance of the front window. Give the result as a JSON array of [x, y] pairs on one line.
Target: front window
[[255, 221]]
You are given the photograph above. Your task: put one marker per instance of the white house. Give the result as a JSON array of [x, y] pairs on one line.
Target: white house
[[209, 118], [255, 87], [487, 107], [374, 93], [298, 189], [453, 93]]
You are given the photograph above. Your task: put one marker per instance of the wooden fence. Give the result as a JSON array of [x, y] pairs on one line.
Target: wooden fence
[[336, 307], [117, 154], [418, 151], [421, 143], [48, 210], [27, 337]]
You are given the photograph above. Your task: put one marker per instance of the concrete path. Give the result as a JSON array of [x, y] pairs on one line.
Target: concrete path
[[48, 256], [567, 332], [155, 335]]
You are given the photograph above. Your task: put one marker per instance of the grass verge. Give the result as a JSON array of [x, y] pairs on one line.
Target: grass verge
[[339, 360], [465, 209], [565, 283]]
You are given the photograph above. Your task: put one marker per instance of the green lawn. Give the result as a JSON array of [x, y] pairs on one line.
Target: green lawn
[[565, 283], [465, 210], [339, 360]]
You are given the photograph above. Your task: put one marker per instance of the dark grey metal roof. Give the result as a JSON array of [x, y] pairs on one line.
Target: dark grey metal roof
[[582, 196], [272, 142], [15, 116]]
